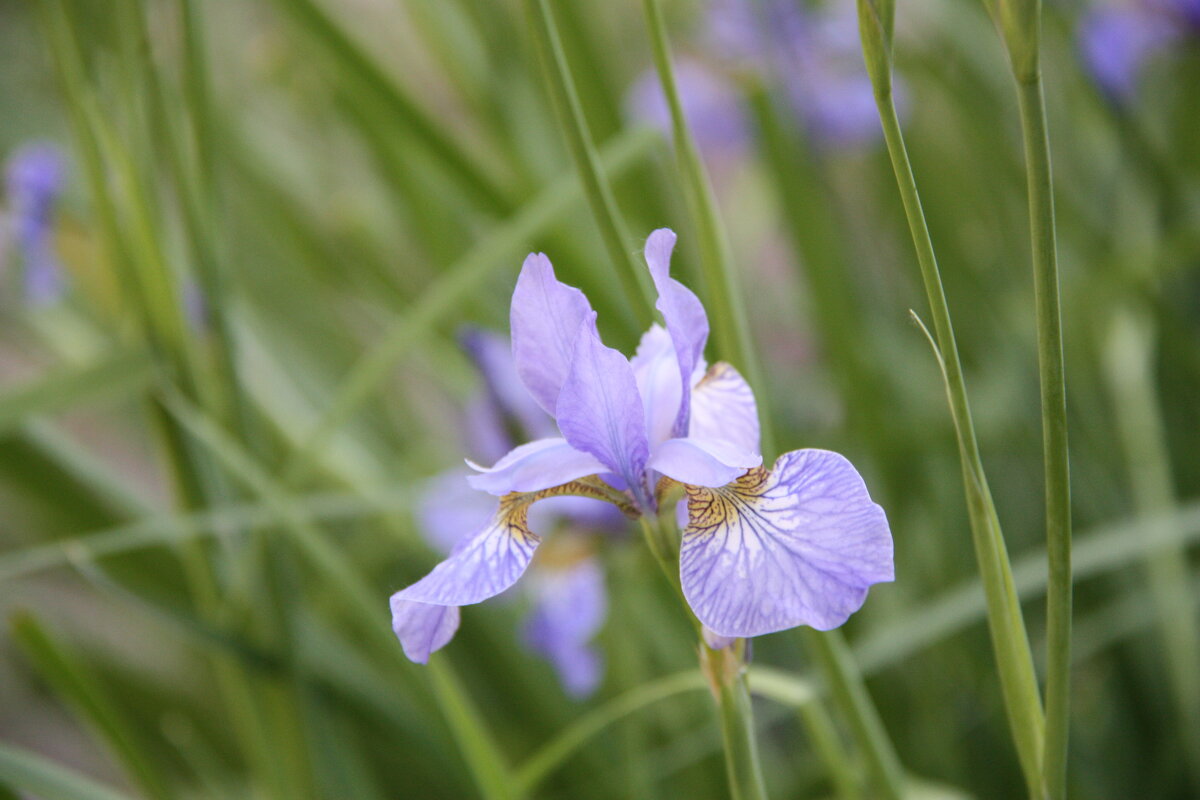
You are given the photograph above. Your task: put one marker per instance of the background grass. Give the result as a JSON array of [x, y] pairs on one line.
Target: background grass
[[203, 518]]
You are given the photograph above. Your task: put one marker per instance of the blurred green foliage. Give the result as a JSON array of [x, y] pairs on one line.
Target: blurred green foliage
[[203, 514]]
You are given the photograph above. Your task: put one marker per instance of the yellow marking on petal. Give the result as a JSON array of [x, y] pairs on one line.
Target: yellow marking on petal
[[513, 516], [710, 509]]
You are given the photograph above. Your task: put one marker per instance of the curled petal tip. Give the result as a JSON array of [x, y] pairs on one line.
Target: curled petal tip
[[422, 628]]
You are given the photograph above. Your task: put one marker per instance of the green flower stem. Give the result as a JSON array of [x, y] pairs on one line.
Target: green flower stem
[[725, 298], [633, 276], [726, 672], [1032, 105], [1014, 659], [828, 649]]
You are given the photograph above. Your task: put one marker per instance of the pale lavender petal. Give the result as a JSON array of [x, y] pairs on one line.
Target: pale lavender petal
[[684, 314], [702, 462], [797, 546], [600, 411], [422, 628], [723, 409], [545, 319], [569, 607], [493, 356], [656, 371], [535, 466], [450, 510], [482, 565]]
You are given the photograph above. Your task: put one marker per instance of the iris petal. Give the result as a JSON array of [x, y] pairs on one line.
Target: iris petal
[[657, 373], [484, 564], [600, 410], [535, 466], [545, 318], [798, 545], [699, 462], [723, 409], [684, 314], [422, 628]]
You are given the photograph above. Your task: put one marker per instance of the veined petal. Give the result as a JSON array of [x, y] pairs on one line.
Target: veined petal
[[723, 409], [798, 545], [684, 314], [450, 509], [600, 410], [702, 462], [535, 466], [569, 606], [484, 564], [545, 319], [422, 628]]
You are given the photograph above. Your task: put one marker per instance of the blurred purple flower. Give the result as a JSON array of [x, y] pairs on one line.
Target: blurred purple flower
[[710, 105], [1117, 41], [813, 53], [762, 551], [34, 179]]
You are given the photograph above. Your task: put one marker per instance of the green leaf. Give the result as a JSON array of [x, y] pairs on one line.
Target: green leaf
[[123, 373], [79, 688], [28, 772]]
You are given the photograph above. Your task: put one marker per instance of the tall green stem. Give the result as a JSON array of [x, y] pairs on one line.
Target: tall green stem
[[731, 326], [726, 671], [1014, 659], [617, 240], [1054, 430]]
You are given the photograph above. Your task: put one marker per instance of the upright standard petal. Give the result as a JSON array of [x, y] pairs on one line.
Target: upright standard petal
[[484, 564], [656, 371], [535, 466], [798, 545], [600, 410], [569, 605], [422, 628], [723, 409], [684, 314], [545, 319]]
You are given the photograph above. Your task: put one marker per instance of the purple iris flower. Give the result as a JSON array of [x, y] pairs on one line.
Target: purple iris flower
[[34, 180], [710, 105], [813, 53], [1117, 41], [762, 551], [565, 590]]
